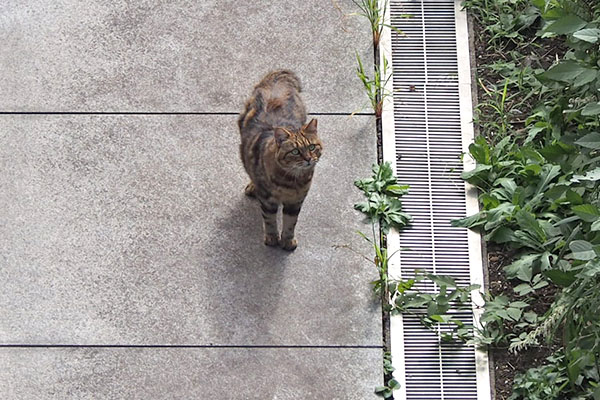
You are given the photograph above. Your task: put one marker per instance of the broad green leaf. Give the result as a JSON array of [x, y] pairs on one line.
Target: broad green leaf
[[397, 189], [528, 223], [416, 303], [523, 289], [534, 169], [442, 280], [591, 35], [501, 234], [554, 152], [519, 196], [591, 109], [474, 172], [556, 192], [582, 250], [533, 133], [587, 212], [526, 239], [519, 304], [440, 318], [498, 215], [590, 141], [499, 149], [480, 152], [587, 76], [488, 201], [507, 183], [540, 4], [538, 282], [545, 260], [596, 226], [591, 269], [530, 317], [394, 384], [514, 313], [386, 171], [550, 231], [567, 24], [549, 172], [573, 370], [469, 222], [522, 268], [574, 197], [560, 278], [565, 71], [531, 154]]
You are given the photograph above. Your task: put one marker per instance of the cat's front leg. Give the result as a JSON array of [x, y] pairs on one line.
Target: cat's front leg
[[269, 214], [290, 217]]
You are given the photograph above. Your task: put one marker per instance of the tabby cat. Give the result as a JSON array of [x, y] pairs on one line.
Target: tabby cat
[[279, 151]]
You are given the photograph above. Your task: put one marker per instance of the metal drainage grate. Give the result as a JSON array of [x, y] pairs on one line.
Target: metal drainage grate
[[426, 128]]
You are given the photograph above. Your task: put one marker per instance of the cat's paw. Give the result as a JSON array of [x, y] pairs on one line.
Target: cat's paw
[[271, 240], [289, 244], [250, 190]]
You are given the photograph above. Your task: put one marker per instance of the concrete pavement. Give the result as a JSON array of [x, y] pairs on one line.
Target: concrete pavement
[[132, 266]]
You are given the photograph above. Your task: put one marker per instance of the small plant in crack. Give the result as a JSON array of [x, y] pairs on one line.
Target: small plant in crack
[[386, 391], [370, 10], [375, 14], [375, 87], [383, 209]]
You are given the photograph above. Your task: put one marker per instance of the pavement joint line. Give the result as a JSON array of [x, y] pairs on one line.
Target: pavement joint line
[[188, 346], [158, 113]]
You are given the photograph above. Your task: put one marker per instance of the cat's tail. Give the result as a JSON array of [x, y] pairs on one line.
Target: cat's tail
[[270, 94], [254, 106], [282, 76], [276, 89]]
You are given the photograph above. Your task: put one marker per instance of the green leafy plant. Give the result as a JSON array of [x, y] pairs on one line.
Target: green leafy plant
[[383, 194], [433, 308], [383, 210], [541, 383], [504, 20], [539, 194], [386, 391], [388, 368]]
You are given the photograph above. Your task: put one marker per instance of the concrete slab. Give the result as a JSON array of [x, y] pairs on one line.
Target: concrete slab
[[196, 56], [348, 374], [134, 230]]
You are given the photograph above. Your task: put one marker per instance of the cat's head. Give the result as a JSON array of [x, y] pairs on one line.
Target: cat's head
[[298, 150]]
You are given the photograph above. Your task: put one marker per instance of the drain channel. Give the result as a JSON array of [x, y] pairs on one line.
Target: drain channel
[[426, 128]]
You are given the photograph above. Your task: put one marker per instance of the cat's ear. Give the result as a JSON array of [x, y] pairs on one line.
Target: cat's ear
[[311, 127], [281, 135]]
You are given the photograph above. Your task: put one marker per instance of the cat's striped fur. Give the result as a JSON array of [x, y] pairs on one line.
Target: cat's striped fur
[[279, 151]]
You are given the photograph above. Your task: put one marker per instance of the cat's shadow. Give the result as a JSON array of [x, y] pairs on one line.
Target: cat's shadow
[[249, 275]]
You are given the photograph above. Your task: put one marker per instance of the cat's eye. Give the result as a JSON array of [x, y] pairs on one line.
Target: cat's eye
[[295, 152], [311, 147]]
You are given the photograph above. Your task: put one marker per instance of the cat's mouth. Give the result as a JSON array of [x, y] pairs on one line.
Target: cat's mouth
[[301, 168]]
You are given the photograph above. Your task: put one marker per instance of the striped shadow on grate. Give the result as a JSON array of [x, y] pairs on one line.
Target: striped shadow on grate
[[427, 125]]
